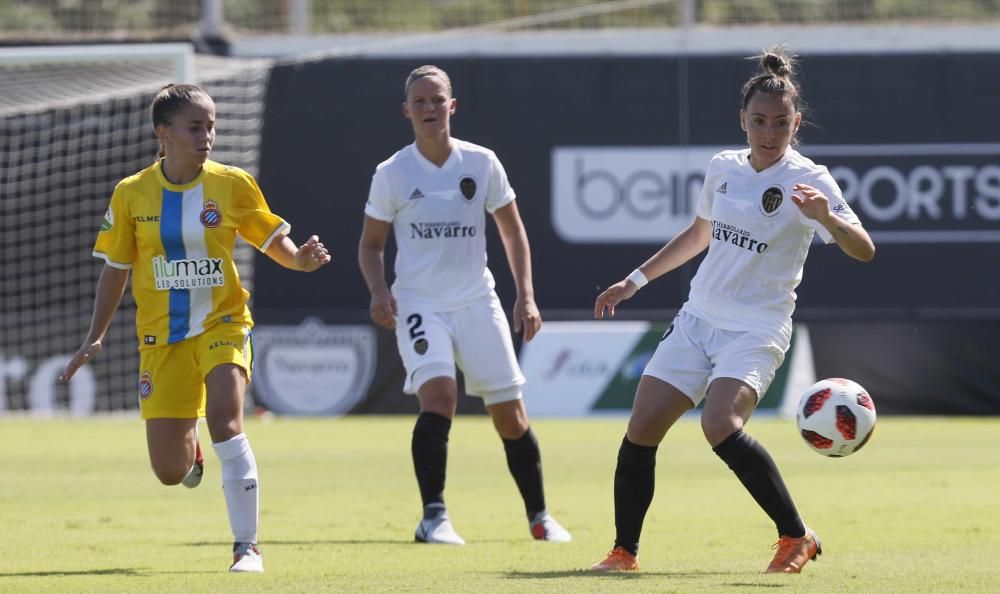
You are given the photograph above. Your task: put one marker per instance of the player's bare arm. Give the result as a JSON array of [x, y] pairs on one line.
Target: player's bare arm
[[515, 243], [852, 239], [685, 245], [110, 288], [307, 257], [371, 259]]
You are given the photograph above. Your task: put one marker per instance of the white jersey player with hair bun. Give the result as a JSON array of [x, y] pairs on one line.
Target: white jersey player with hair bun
[[758, 212], [760, 240], [433, 195]]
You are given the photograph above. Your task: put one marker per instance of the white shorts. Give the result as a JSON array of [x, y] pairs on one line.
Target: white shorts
[[693, 353], [475, 337]]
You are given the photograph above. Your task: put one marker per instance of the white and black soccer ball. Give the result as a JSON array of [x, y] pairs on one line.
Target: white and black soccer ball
[[836, 417]]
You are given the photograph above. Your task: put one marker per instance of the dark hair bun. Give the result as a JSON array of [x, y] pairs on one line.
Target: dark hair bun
[[774, 62]]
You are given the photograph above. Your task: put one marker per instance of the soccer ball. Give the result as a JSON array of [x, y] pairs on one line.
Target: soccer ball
[[836, 417]]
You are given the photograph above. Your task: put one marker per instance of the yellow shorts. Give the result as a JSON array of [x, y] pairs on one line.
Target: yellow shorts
[[172, 377]]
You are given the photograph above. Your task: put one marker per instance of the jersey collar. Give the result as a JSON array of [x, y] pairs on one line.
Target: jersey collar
[[158, 166], [453, 159]]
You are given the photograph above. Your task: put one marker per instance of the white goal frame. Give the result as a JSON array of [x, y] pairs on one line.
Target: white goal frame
[[180, 54]]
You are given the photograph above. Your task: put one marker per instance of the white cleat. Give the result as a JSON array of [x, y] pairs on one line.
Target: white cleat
[[438, 530], [247, 558], [545, 527]]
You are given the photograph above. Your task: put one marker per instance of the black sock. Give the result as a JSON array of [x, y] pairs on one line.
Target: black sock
[[525, 463], [430, 456], [635, 478], [758, 473]]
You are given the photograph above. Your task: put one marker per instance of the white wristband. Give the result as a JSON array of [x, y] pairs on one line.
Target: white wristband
[[638, 279]]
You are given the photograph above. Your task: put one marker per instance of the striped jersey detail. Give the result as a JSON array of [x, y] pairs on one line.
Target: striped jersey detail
[[183, 238]]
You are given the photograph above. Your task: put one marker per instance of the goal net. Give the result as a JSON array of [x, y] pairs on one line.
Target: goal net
[[72, 124]]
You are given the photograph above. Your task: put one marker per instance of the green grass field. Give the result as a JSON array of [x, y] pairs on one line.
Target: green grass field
[[918, 510]]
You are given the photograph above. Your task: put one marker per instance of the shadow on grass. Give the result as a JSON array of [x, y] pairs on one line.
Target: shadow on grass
[[332, 541], [617, 575], [56, 572]]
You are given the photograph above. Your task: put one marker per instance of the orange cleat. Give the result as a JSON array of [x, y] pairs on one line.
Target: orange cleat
[[793, 553], [618, 559]]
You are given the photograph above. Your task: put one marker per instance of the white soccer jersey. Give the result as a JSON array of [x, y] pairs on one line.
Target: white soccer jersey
[[759, 240], [439, 220]]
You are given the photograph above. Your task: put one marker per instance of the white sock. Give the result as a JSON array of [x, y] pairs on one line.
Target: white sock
[[239, 485]]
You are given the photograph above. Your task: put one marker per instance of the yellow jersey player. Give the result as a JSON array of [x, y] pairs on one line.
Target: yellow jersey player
[[174, 226]]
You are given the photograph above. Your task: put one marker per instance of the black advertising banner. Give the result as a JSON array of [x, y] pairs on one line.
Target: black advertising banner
[[607, 154]]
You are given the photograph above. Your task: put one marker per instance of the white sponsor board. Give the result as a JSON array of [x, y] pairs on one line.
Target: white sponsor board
[[313, 369], [907, 193], [569, 364], [43, 385]]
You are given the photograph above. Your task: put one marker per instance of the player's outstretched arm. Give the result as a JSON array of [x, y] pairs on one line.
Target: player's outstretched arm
[[686, 245], [110, 288], [371, 259], [306, 258], [515, 243]]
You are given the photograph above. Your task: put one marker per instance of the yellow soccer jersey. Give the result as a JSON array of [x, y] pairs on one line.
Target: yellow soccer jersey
[[178, 241]]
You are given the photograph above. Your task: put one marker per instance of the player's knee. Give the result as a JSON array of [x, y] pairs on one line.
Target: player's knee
[[170, 473], [717, 428], [645, 432], [223, 428], [436, 388], [506, 408]]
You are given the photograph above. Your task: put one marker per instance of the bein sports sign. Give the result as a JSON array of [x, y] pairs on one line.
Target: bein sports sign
[[926, 193]]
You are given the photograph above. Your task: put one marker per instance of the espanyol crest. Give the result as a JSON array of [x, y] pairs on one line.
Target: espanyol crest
[[211, 216], [145, 385]]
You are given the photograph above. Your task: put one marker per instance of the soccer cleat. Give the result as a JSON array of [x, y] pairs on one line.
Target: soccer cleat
[[545, 527], [793, 553], [619, 559], [247, 558], [437, 530], [193, 478]]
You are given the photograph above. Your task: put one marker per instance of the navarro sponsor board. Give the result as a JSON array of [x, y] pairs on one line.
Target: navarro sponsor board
[[922, 193]]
